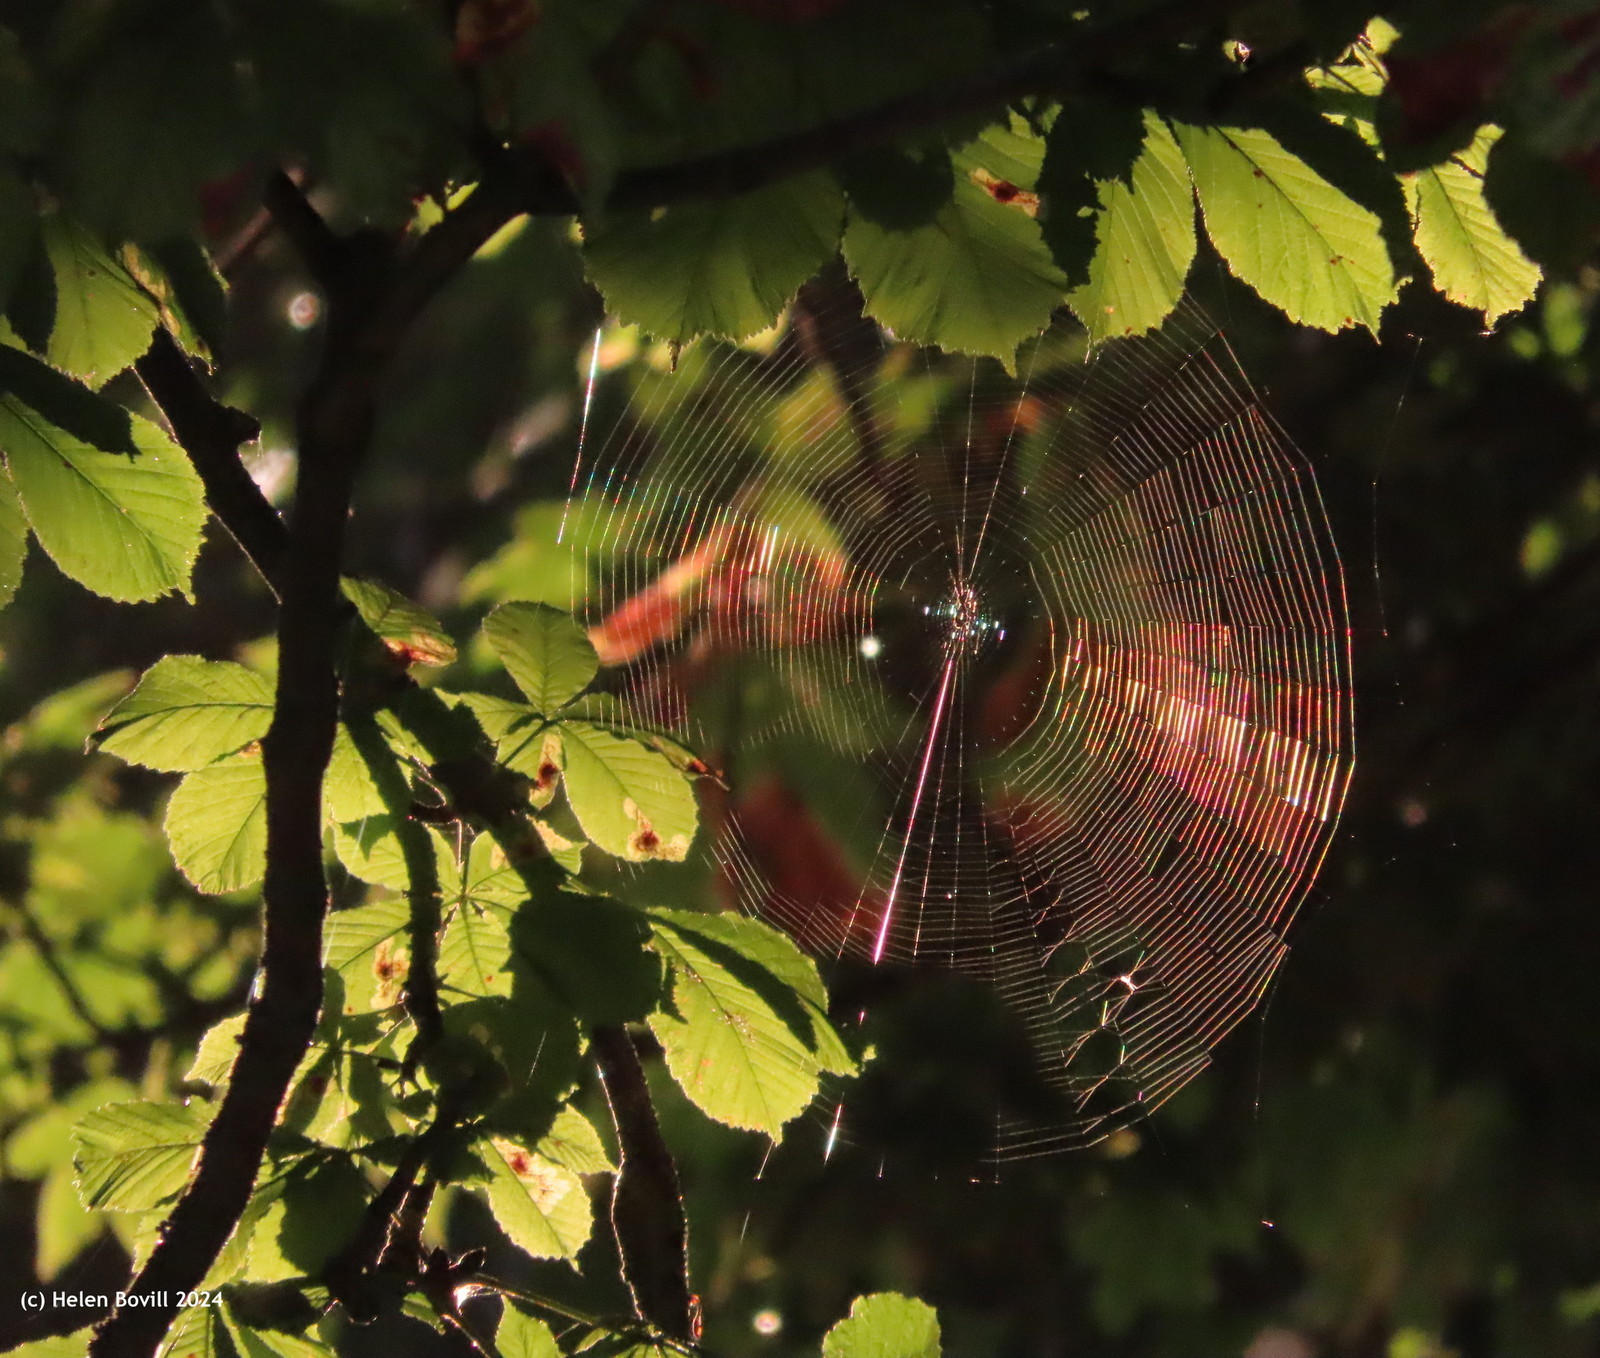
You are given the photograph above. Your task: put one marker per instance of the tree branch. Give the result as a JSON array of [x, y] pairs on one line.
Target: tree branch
[[647, 1202], [211, 433]]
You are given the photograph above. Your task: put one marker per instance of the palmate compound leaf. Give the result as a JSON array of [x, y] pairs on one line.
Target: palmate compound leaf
[[186, 713], [977, 279], [1306, 247], [885, 1325], [133, 1157], [545, 651], [746, 1035], [542, 1206], [724, 268], [217, 825], [103, 320], [1144, 234], [1472, 260], [125, 527]]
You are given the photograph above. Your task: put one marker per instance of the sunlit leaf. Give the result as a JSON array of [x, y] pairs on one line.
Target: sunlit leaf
[[217, 825], [188, 712], [1144, 243], [541, 1206], [523, 1336], [630, 800], [725, 267], [1298, 241], [1472, 260], [13, 538], [885, 1325], [977, 279], [411, 634], [747, 1035], [369, 946], [545, 650], [126, 527], [103, 321], [132, 1157]]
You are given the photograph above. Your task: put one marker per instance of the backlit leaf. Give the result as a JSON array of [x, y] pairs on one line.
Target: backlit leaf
[[630, 800], [885, 1325], [132, 1157], [541, 1206], [725, 267], [977, 279], [1302, 244], [411, 634], [523, 1336], [369, 946], [217, 825], [747, 1038], [545, 650], [103, 320], [1472, 260], [188, 712], [1144, 243], [13, 538], [126, 527]]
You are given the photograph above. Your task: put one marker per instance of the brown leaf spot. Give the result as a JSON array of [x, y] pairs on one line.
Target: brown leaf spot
[[391, 964]]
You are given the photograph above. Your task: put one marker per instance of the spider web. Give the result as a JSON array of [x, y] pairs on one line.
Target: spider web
[[1039, 680]]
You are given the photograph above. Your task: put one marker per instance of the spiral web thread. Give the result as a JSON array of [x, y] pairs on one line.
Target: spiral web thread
[[1043, 680]]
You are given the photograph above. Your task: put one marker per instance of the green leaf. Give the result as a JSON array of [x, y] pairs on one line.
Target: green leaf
[[397, 852], [573, 1143], [133, 1157], [541, 1206], [155, 120], [217, 825], [188, 712], [126, 527], [103, 320], [523, 1336], [370, 948], [312, 1219], [590, 952], [198, 1332], [977, 279], [180, 276], [748, 1038], [1088, 142], [74, 1345], [66, 403], [629, 799], [897, 188], [13, 538], [546, 652], [1302, 244], [885, 1325], [364, 777], [411, 634], [1472, 260], [1144, 243], [724, 268], [214, 1058], [64, 1225], [475, 952]]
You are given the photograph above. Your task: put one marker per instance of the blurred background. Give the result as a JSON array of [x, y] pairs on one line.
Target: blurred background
[[1394, 1155]]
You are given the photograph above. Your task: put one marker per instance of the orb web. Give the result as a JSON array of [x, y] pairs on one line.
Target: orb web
[[1041, 679]]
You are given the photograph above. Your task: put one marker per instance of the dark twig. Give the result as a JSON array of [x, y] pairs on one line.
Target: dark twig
[[647, 1202], [211, 433], [45, 946]]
